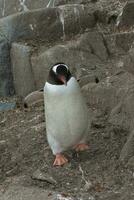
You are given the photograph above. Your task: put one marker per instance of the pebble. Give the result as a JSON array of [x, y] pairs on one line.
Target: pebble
[[42, 176]]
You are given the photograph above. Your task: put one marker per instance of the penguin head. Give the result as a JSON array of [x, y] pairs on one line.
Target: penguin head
[[59, 74]]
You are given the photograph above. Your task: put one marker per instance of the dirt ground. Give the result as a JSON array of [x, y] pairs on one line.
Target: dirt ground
[[26, 159]]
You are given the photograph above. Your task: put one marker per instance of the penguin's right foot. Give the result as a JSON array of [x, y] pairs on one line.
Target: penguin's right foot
[[60, 160], [81, 147]]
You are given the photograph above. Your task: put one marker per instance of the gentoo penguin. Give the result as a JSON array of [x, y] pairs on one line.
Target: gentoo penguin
[[66, 113]]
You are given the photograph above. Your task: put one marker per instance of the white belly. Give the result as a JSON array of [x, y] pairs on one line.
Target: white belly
[[66, 114]]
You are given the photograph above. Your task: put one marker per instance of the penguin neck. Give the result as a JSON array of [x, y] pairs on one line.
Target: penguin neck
[[71, 87]]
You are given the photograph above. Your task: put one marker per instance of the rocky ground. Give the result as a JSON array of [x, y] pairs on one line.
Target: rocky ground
[[98, 45], [26, 161]]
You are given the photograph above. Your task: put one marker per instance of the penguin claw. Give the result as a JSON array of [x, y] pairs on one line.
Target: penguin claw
[[81, 147], [60, 160]]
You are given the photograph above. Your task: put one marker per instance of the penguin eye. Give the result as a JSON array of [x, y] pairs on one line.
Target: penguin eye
[[55, 68], [59, 66]]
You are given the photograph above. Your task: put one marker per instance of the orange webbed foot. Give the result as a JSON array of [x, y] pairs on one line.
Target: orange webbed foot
[[60, 160], [81, 147]]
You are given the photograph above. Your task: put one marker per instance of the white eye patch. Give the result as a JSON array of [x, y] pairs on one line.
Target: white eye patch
[[55, 67]]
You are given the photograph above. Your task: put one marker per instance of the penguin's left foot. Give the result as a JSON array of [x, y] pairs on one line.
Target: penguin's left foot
[[60, 160], [81, 147]]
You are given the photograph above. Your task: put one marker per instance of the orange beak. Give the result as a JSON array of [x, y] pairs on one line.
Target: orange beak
[[63, 79]]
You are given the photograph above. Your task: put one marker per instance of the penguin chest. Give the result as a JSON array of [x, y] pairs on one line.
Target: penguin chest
[[66, 113]]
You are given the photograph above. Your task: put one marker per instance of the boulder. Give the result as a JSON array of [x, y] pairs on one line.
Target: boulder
[[63, 2], [21, 68], [129, 60], [119, 43], [101, 96], [83, 53], [126, 18], [108, 93], [114, 97], [95, 42], [68, 20], [31, 25], [61, 23], [75, 18], [13, 6], [31, 62], [6, 81], [122, 116], [34, 98], [128, 149], [23, 25]]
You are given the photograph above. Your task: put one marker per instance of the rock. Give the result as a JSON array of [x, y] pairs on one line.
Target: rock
[[129, 61], [130, 163], [32, 24], [109, 92], [66, 20], [75, 18], [119, 43], [63, 2], [118, 121], [100, 96], [3, 145], [18, 192], [84, 80], [25, 25], [80, 54], [94, 42], [42, 176], [124, 40], [121, 118], [21, 69], [31, 5], [127, 16], [36, 97], [8, 8], [6, 82], [128, 149], [122, 115]]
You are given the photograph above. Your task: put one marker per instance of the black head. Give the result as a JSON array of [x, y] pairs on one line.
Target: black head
[[59, 74]]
